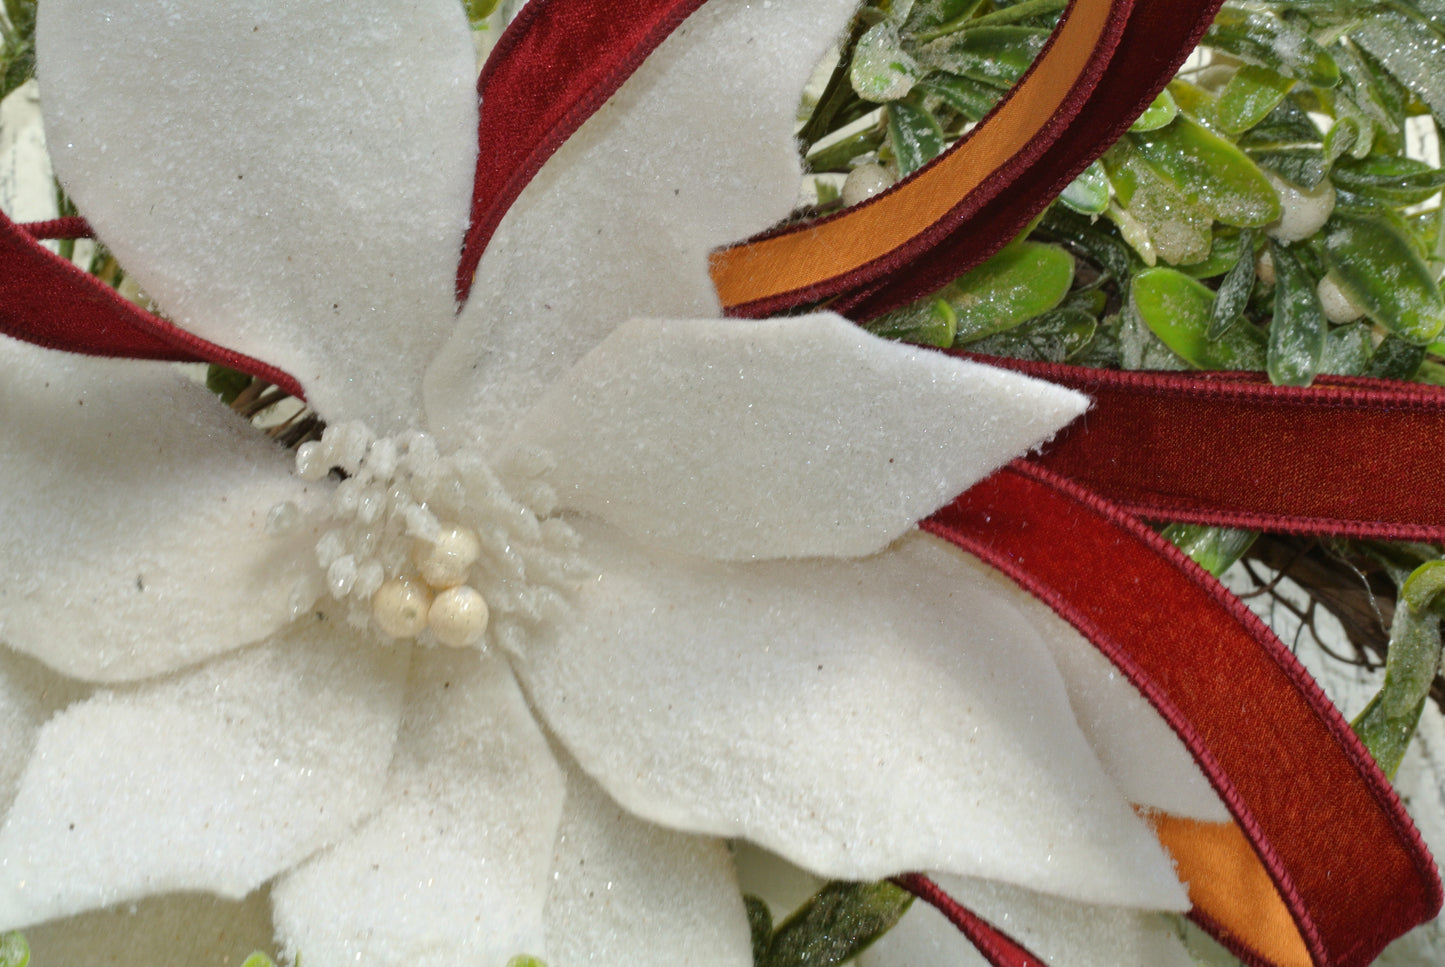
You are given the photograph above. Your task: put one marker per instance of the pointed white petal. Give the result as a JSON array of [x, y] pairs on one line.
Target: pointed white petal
[[29, 695], [290, 179], [861, 718], [134, 539], [695, 151], [1062, 933], [1139, 750], [798, 437], [215, 779], [178, 930], [454, 867], [629, 894]]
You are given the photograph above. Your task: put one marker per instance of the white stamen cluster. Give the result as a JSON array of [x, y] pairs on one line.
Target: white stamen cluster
[[435, 547]]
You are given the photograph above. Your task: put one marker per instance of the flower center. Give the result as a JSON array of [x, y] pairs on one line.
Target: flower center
[[437, 547]]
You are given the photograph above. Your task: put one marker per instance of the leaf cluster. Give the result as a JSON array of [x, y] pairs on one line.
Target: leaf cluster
[[1277, 208], [17, 44]]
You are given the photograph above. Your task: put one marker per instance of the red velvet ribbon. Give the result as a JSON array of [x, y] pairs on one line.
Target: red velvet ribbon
[[1323, 821], [997, 947], [51, 302], [1347, 457], [554, 66], [1326, 834]]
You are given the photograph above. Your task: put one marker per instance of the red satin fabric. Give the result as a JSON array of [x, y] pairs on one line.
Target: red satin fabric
[[1323, 821]]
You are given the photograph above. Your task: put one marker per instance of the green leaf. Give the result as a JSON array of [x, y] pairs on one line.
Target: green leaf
[[1297, 332], [882, 70], [1347, 351], [1051, 338], [1177, 309], [760, 925], [927, 14], [1249, 97], [257, 959], [1379, 267], [1211, 173], [927, 322], [1088, 194], [1234, 290], [1388, 721], [1410, 51], [1270, 41], [525, 960], [971, 98], [1395, 359], [1305, 167], [839, 921], [226, 383], [1213, 548], [14, 951], [1160, 112], [914, 133], [998, 55], [1395, 180], [1224, 253], [1156, 218], [1093, 240], [477, 12], [1025, 279]]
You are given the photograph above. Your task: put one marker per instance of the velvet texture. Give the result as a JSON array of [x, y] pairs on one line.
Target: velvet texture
[[1316, 813], [1321, 865]]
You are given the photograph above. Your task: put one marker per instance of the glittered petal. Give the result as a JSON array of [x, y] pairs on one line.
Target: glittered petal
[[793, 437], [1062, 933], [215, 779], [179, 930], [696, 150], [454, 868], [134, 539], [290, 180], [629, 894], [1138, 749], [30, 694], [861, 718]]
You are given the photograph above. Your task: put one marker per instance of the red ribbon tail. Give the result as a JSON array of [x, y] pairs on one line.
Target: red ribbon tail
[[1321, 865], [997, 947]]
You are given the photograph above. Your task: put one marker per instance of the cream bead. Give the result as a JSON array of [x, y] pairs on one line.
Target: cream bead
[[459, 617], [865, 181], [444, 563], [400, 607]]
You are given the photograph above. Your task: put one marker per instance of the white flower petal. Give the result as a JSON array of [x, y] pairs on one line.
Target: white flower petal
[[178, 930], [862, 718], [629, 894], [795, 437], [1062, 933], [290, 180], [696, 150], [454, 867], [30, 694], [214, 780], [1139, 750], [133, 539]]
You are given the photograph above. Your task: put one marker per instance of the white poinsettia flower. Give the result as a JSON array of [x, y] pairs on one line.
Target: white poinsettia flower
[[710, 613]]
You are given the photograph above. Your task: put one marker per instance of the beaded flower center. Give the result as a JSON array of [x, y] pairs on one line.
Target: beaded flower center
[[436, 547]]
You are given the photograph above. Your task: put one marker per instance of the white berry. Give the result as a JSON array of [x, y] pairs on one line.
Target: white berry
[[444, 563], [400, 607], [459, 617]]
